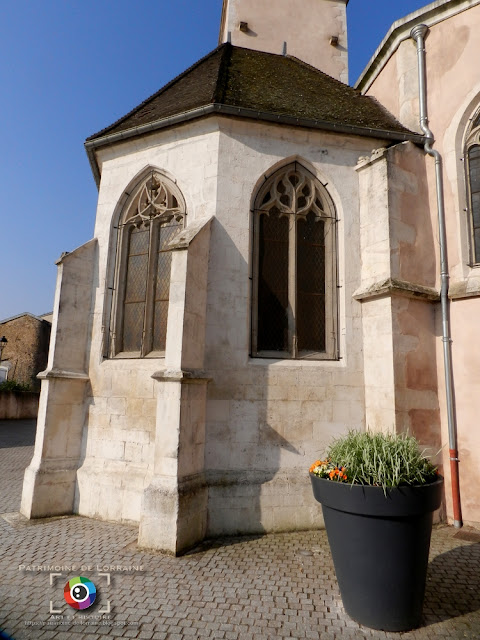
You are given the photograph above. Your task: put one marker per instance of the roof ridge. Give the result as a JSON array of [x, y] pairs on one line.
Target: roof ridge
[[295, 59], [220, 85], [327, 75], [157, 93], [25, 313]]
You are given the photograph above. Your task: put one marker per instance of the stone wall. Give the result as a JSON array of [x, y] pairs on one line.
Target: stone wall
[[266, 420], [27, 348], [15, 405], [119, 435], [50, 479], [119, 439]]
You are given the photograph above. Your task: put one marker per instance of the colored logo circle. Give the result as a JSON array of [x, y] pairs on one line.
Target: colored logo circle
[[80, 592]]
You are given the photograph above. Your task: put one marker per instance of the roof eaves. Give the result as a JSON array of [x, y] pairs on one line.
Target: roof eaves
[[242, 112], [126, 134], [325, 125]]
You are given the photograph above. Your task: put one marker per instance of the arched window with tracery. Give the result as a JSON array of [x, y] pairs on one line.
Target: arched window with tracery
[[472, 165], [154, 213], [294, 310]]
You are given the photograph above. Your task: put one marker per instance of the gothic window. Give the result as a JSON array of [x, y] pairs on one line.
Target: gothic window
[[472, 164], [154, 214], [294, 310]]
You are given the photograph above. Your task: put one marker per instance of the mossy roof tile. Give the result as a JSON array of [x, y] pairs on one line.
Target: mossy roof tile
[[264, 82]]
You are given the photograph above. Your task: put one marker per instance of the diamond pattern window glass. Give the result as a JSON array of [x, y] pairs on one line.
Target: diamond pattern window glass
[[273, 282], [154, 214], [311, 284], [294, 310], [474, 180], [472, 165], [135, 289]]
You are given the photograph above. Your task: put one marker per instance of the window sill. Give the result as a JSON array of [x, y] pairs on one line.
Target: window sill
[[468, 288], [264, 361], [135, 355]]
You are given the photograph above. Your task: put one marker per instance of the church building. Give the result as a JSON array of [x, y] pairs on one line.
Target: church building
[[278, 258]]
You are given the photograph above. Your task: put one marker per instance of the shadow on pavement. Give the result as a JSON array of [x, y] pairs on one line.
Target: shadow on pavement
[[217, 543], [453, 584], [17, 433]]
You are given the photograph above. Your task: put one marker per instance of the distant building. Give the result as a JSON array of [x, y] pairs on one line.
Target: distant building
[[261, 281], [26, 352]]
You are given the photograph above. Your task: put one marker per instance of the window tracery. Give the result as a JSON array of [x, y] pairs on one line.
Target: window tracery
[[153, 216], [294, 268]]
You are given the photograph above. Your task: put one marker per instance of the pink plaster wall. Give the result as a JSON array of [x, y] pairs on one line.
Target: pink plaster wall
[[466, 367], [413, 230], [415, 363], [386, 88], [452, 53], [413, 255], [452, 71]]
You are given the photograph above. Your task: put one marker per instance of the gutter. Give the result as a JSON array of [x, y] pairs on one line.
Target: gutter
[[241, 112], [418, 34]]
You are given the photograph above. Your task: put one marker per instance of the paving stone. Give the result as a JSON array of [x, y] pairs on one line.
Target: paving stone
[[250, 588]]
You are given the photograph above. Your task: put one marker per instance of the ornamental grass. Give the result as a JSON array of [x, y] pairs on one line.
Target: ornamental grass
[[378, 459]]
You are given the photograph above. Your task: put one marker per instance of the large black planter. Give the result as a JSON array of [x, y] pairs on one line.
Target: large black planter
[[380, 548]]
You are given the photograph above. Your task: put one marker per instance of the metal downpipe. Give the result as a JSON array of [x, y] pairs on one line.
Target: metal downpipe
[[418, 34]]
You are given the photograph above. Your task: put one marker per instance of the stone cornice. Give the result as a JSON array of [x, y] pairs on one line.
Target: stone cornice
[[185, 376], [395, 287], [64, 374], [464, 289], [376, 155], [188, 235]]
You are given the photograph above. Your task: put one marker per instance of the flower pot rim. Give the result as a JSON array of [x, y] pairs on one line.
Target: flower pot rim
[[439, 479], [402, 501]]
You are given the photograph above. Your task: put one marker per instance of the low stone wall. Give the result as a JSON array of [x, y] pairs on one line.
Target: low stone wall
[[18, 404]]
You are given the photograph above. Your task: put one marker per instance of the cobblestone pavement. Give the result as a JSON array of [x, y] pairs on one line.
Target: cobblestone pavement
[[273, 586]]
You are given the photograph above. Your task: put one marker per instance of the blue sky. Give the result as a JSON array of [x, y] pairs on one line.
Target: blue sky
[[71, 67]]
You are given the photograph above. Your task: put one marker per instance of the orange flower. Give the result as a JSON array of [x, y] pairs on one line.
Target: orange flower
[[316, 464]]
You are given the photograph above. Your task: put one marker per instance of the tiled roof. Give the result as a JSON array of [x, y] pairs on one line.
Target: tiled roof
[[269, 84], [30, 315]]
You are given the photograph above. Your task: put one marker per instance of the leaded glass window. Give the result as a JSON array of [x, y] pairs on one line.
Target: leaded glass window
[[472, 165], [154, 214], [294, 310]]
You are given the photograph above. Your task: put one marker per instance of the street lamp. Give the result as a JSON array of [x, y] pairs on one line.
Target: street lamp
[[3, 342]]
